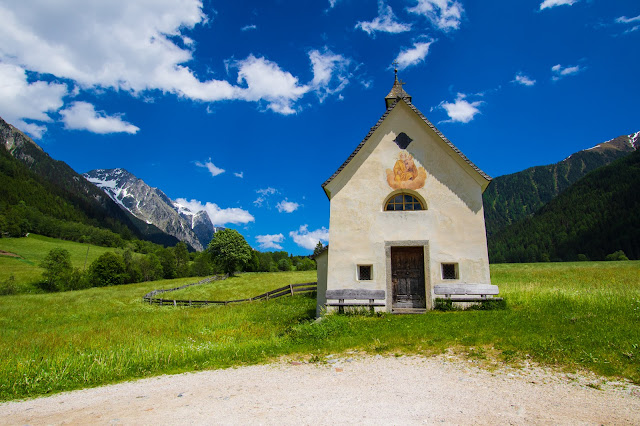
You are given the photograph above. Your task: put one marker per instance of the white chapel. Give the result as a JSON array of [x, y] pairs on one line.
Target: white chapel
[[406, 215]]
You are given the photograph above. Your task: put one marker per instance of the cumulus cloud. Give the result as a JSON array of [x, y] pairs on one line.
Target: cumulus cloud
[[309, 239], [270, 241], [520, 78], [559, 71], [546, 4], [413, 55], [445, 15], [384, 22], [266, 81], [215, 171], [21, 100], [218, 216], [330, 72], [240, 175], [138, 46], [461, 110], [287, 206], [83, 116], [263, 195], [249, 27]]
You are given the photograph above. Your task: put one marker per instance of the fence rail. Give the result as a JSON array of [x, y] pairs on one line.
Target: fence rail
[[288, 290]]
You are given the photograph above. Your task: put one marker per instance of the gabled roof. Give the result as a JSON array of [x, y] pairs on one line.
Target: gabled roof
[[407, 100]]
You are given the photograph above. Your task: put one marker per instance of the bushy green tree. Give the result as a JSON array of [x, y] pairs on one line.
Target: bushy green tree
[[58, 270], [168, 261], [107, 270], [230, 250], [318, 249], [284, 264], [201, 266], [181, 254], [150, 267]]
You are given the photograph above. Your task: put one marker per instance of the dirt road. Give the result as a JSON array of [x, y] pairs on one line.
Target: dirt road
[[365, 390]]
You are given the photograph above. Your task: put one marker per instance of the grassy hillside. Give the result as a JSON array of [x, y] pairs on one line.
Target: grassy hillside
[[598, 215], [571, 315], [33, 249]]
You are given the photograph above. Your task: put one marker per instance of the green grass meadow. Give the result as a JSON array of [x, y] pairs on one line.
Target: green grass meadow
[[570, 315], [32, 250]]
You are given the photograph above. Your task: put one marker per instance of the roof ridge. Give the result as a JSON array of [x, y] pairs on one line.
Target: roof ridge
[[427, 122]]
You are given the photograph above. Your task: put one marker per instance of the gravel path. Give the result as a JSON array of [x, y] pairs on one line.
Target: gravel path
[[358, 390]]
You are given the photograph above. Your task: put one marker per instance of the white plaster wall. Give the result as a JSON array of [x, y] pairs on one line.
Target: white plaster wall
[[321, 263], [453, 222]]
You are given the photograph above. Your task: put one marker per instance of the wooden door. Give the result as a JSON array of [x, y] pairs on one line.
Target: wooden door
[[407, 277]]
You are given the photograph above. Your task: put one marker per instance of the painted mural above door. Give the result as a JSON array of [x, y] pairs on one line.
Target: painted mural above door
[[405, 174]]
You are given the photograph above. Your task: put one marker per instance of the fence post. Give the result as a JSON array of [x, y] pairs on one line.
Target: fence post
[[174, 303], [291, 288]]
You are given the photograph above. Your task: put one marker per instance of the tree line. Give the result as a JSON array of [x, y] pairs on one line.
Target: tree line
[[228, 252]]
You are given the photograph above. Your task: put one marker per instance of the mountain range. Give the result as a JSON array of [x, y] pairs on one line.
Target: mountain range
[[50, 189], [154, 207], [514, 197], [597, 216]]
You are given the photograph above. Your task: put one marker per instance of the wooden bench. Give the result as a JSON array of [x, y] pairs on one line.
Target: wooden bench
[[357, 298], [466, 292]]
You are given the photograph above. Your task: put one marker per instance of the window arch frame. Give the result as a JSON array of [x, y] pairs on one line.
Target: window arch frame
[[409, 192]]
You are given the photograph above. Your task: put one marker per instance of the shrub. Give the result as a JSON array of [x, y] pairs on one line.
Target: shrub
[[617, 255], [107, 270], [9, 286], [58, 271]]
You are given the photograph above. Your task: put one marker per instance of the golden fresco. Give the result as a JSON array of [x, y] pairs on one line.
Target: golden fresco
[[405, 174]]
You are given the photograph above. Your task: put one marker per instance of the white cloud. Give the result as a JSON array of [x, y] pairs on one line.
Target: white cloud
[[240, 175], [287, 206], [266, 81], [327, 67], [461, 110], [624, 20], [83, 116], [445, 15], [263, 195], [414, 55], [559, 71], [136, 46], [249, 27], [270, 241], [217, 215], [309, 239], [20, 100], [553, 3], [215, 171], [332, 3], [384, 22], [520, 78]]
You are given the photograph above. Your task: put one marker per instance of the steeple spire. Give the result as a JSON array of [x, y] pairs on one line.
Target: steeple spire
[[397, 91]]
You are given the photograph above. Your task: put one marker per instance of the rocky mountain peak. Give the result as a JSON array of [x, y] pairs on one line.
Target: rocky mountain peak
[[154, 206]]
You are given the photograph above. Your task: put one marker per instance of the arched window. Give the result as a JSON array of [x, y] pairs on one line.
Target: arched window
[[402, 202]]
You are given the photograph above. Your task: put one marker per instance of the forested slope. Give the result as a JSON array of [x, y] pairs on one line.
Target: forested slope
[[598, 215]]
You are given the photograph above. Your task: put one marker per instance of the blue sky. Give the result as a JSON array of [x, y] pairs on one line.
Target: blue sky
[[244, 108]]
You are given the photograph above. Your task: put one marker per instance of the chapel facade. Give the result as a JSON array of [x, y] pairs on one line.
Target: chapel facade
[[406, 213]]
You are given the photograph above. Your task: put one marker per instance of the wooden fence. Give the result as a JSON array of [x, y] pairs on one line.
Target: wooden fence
[[288, 290]]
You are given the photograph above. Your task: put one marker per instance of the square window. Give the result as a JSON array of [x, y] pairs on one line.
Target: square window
[[365, 272], [450, 271]]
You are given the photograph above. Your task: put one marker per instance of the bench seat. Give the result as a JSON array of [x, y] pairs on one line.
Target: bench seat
[[358, 298], [466, 292]]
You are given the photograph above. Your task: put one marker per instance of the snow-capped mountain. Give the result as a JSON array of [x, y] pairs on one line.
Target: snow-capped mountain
[[154, 207]]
